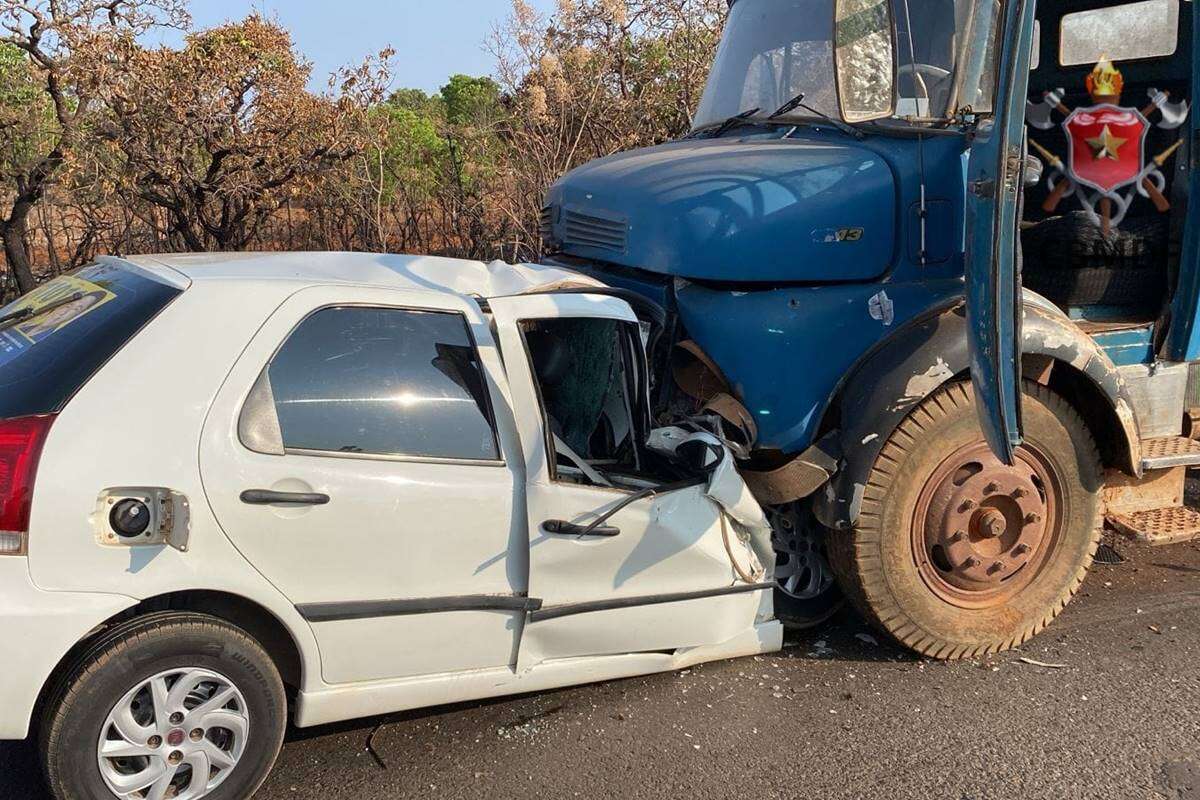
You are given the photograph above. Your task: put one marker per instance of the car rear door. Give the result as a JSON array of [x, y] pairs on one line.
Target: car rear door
[[351, 457], [657, 574], [994, 173]]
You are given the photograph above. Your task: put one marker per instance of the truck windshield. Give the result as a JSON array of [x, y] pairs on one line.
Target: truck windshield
[[773, 50]]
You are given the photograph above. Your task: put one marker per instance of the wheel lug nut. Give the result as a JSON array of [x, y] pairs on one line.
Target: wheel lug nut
[[1021, 549], [991, 488], [1018, 493], [971, 561], [996, 566], [175, 757], [154, 741], [967, 505], [176, 718], [958, 536], [197, 734], [1033, 518]]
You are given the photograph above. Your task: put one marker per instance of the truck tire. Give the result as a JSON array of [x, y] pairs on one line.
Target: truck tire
[[957, 555], [155, 702], [1070, 262]]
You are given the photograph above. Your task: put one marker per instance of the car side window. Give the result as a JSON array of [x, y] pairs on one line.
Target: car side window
[[588, 383], [374, 381]]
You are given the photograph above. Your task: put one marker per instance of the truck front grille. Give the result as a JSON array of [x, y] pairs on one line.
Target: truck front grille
[[589, 230]]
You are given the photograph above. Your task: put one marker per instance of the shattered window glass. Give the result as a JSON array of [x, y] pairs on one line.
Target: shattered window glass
[[383, 381], [583, 368], [864, 59], [1148, 29]]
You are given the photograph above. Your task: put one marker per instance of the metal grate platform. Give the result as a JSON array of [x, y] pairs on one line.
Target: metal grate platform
[[1159, 525], [1170, 451]]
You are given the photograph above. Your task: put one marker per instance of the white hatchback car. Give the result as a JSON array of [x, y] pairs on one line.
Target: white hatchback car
[[344, 484]]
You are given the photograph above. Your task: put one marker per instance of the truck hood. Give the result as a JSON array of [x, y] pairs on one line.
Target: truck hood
[[756, 209]]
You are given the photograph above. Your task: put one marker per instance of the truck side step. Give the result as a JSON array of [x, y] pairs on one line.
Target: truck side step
[[1159, 525], [1170, 451]]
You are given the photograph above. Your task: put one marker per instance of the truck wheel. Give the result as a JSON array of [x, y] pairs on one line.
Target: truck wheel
[[170, 705], [956, 554], [807, 593]]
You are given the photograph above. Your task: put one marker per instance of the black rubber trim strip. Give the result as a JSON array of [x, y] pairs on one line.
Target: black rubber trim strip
[[570, 609], [369, 609]]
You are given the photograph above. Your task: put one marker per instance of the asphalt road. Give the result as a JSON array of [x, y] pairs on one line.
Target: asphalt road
[[835, 715]]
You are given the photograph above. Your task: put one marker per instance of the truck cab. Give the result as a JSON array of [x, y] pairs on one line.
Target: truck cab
[[934, 264]]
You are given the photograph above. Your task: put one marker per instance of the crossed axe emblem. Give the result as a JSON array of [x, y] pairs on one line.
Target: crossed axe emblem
[[1107, 209], [1172, 115]]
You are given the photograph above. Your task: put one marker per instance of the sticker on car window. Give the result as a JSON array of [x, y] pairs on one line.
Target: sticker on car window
[[52, 307]]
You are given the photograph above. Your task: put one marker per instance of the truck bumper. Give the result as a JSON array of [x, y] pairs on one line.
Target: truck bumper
[[38, 628]]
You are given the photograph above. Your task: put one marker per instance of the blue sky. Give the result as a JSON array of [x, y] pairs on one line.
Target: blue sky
[[433, 38]]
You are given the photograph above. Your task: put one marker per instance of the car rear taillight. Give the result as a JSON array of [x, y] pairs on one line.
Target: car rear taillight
[[21, 441]]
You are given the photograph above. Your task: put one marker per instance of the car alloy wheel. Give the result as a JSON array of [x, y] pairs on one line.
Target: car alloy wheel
[[178, 734]]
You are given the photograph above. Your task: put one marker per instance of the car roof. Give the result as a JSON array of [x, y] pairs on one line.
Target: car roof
[[417, 273]]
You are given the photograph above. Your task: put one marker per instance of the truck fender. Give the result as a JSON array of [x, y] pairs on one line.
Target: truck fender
[[901, 371]]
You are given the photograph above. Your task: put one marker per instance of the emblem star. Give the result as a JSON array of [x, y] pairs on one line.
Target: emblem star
[[1106, 145]]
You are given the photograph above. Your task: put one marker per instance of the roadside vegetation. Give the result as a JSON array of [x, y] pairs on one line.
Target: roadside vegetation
[[108, 145]]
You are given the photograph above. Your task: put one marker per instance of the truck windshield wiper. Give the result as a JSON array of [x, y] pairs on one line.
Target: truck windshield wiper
[[19, 316], [732, 122], [798, 102]]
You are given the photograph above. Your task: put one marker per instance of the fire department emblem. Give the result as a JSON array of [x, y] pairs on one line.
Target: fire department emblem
[[1106, 165], [1106, 146]]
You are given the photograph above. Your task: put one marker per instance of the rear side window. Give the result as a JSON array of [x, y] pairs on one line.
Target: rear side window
[[383, 381], [54, 339], [1148, 29]]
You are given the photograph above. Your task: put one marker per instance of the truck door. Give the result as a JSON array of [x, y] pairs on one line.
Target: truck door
[[994, 171], [663, 570]]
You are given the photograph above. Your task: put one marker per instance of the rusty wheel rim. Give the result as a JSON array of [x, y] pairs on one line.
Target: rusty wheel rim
[[983, 530]]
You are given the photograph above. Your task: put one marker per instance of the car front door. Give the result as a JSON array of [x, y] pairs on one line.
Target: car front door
[[661, 570], [351, 457], [994, 173]]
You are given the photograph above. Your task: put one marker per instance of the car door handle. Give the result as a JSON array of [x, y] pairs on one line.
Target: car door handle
[[267, 497], [559, 527]]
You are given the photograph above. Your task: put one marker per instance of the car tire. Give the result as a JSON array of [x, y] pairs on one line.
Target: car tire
[[152, 667], [955, 554]]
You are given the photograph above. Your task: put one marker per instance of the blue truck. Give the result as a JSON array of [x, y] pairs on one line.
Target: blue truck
[[933, 263]]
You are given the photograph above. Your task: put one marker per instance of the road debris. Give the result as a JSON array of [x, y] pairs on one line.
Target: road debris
[[820, 649], [1036, 663], [1107, 554], [371, 745]]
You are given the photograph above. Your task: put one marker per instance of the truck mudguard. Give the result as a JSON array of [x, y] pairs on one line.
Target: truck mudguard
[[901, 371]]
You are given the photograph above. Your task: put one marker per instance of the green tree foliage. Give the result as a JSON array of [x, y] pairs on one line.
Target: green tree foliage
[[471, 102], [26, 118]]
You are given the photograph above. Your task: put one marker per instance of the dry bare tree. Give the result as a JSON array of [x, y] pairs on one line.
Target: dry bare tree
[[219, 134], [220, 144], [597, 77], [63, 59]]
